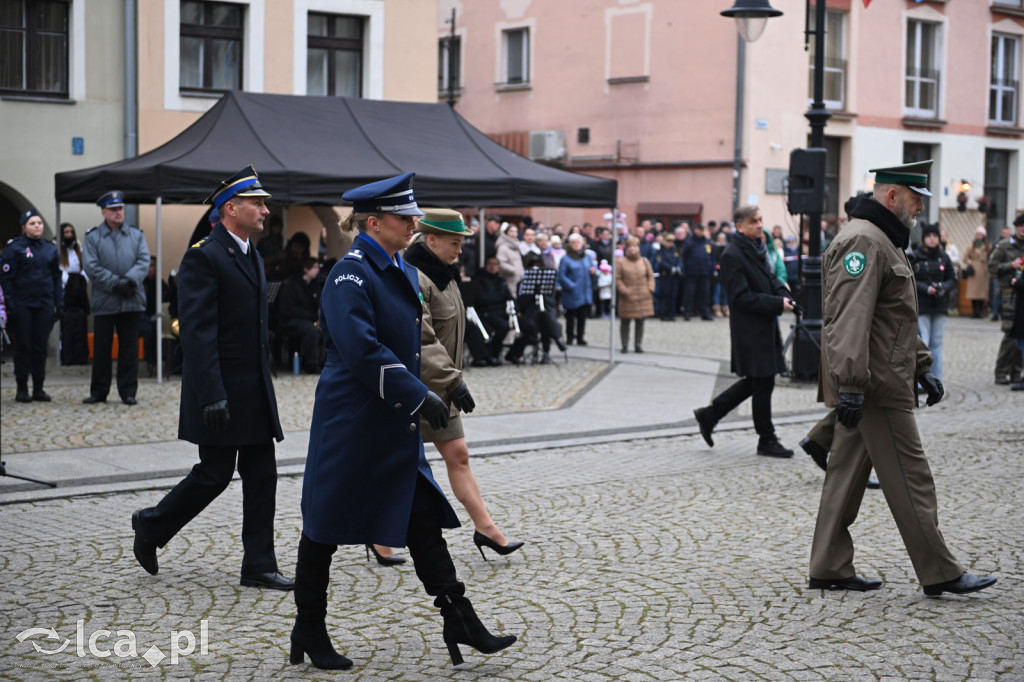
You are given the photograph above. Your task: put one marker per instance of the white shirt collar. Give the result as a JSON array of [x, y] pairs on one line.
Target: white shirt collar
[[243, 245]]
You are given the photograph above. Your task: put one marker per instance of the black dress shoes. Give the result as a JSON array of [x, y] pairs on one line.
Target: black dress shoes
[[129, 400], [817, 453], [962, 585], [273, 580], [706, 423], [853, 583], [94, 399], [493, 361], [771, 447], [145, 551]]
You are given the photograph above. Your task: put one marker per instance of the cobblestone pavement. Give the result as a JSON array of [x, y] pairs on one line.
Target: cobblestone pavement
[[655, 558]]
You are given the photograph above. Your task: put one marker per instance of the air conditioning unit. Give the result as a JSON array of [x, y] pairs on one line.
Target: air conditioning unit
[[547, 145]]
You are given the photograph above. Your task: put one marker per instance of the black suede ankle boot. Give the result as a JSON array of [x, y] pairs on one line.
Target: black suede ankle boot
[[462, 626]]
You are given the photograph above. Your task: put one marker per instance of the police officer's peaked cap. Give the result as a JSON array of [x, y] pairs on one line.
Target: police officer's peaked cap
[[214, 217], [393, 195], [244, 183], [112, 199], [443, 221], [912, 175]]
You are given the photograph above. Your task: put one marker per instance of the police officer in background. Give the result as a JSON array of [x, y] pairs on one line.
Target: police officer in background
[[31, 279], [228, 407], [1005, 264], [367, 480], [871, 360], [116, 261]]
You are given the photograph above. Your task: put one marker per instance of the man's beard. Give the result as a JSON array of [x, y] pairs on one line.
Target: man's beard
[[903, 213]]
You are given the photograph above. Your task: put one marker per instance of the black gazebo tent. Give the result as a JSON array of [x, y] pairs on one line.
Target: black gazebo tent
[[309, 150]]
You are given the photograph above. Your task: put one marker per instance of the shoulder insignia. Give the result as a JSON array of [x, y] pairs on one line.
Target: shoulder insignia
[[854, 263], [348, 277], [355, 254], [91, 230], [200, 242]]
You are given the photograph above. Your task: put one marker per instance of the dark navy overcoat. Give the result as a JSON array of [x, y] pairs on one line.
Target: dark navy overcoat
[[222, 316], [365, 447]]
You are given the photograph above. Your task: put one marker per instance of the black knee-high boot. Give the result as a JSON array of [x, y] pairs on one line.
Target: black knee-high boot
[[435, 569], [463, 626], [312, 576]]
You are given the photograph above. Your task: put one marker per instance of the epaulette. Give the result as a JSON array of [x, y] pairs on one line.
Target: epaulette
[[354, 254], [200, 242], [91, 229]]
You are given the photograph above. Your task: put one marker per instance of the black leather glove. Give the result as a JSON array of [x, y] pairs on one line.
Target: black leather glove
[[58, 313], [434, 411], [850, 409], [933, 386], [216, 416], [462, 399], [124, 287]]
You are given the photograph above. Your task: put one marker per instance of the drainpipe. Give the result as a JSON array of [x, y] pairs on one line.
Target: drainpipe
[[131, 121]]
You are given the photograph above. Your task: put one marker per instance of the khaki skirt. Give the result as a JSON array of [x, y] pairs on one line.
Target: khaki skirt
[[450, 432]]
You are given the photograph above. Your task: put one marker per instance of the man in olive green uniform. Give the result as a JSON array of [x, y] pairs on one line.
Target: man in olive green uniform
[[1005, 264], [871, 359]]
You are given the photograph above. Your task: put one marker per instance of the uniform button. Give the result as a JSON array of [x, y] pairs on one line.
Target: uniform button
[[417, 320], [412, 427], [417, 356], [398, 406]]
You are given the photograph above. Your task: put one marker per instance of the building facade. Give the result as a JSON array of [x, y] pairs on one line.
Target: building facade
[[659, 96]]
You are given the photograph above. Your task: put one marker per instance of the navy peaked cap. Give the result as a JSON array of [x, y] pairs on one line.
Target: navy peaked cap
[[112, 199], [393, 195], [244, 183]]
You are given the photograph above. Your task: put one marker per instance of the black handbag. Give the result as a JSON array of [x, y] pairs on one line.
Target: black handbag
[[967, 272]]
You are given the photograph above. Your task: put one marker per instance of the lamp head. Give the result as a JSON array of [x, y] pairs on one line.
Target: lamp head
[[751, 17]]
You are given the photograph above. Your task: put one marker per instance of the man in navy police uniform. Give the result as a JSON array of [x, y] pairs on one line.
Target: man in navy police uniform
[[228, 406]]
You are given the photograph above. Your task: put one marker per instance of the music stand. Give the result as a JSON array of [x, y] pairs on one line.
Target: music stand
[[541, 282]]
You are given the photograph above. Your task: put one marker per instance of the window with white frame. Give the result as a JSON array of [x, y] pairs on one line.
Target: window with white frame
[[449, 63], [923, 76], [212, 43], [334, 57], [34, 47], [835, 62], [516, 42], [1003, 91]]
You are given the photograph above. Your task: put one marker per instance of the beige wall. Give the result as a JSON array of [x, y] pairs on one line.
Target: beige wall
[[408, 72]]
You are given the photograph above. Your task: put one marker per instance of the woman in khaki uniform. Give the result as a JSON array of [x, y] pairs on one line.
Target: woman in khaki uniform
[[435, 254], [634, 283], [975, 270]]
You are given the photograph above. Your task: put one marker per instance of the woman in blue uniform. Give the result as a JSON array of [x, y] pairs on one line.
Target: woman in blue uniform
[[30, 276], [367, 480]]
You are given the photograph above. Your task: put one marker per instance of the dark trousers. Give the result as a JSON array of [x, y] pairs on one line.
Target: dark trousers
[[668, 292], [759, 390], [697, 295], [208, 479], [308, 336], [127, 327], [575, 323], [147, 330], [1008, 361], [30, 332]]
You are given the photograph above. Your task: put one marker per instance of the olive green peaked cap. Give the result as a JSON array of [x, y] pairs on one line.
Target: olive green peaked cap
[[912, 175]]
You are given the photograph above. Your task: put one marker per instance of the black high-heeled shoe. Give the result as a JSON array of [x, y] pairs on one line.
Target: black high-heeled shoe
[[481, 541], [384, 560]]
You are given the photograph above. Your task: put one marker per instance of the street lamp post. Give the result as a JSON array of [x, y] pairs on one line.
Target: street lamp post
[[751, 17]]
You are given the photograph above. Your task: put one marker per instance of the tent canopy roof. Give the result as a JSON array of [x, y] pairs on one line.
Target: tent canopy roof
[[309, 150]]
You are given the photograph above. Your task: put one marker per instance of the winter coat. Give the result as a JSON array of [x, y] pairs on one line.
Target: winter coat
[[365, 449], [977, 285], [755, 302], [933, 269], [634, 284], [510, 262], [110, 255], [574, 278], [869, 337], [698, 257], [30, 274]]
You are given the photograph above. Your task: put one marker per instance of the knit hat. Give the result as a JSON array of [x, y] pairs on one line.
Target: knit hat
[[26, 215], [929, 228]]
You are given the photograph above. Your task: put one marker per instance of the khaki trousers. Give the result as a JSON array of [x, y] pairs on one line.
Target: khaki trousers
[[888, 439]]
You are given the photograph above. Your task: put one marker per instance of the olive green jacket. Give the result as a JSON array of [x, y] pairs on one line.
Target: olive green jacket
[[869, 324], [442, 335]]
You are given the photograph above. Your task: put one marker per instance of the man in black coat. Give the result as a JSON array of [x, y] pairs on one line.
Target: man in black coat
[[488, 295], [228, 406], [756, 299], [298, 306]]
